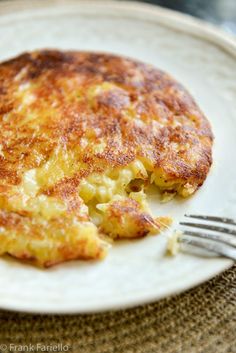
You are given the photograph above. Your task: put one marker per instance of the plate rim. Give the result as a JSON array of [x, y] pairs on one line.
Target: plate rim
[[192, 26]]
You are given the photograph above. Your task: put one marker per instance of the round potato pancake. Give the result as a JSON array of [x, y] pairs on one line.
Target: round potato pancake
[[81, 136]]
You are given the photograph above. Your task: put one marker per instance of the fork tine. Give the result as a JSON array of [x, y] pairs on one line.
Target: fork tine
[[209, 227], [226, 239], [212, 247], [213, 218]]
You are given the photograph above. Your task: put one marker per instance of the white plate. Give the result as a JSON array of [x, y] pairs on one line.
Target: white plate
[[200, 57]]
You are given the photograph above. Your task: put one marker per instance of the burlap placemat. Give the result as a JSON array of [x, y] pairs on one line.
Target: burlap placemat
[[200, 320]]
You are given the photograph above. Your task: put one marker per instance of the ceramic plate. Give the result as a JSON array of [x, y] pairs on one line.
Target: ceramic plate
[[200, 57]]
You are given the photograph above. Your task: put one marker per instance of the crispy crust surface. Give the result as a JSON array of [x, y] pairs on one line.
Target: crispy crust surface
[[144, 112], [97, 112]]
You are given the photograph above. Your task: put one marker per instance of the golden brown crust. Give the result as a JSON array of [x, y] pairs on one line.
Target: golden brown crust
[[91, 113], [126, 219], [49, 243], [144, 113]]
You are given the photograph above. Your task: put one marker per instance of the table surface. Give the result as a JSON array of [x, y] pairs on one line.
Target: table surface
[[218, 12]]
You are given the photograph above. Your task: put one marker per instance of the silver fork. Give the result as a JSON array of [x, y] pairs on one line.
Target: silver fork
[[219, 239]]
